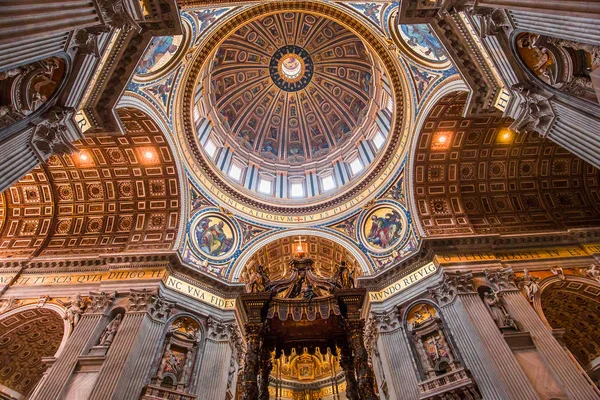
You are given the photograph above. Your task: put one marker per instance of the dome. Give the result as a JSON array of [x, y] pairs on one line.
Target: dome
[[293, 102]]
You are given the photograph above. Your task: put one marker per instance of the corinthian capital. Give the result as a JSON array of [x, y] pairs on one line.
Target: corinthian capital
[[100, 301], [140, 298], [159, 308], [453, 283], [386, 321], [500, 278], [218, 330]]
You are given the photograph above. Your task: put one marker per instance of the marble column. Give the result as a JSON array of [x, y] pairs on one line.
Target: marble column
[[253, 339], [144, 304], [481, 344], [62, 369], [396, 356], [347, 364], [214, 367], [570, 378], [364, 373]]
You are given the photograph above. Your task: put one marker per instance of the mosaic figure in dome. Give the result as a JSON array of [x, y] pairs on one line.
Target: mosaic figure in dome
[[420, 38], [214, 238], [385, 229]]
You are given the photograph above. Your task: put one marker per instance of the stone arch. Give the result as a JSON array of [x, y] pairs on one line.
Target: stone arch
[[26, 336], [28, 91], [572, 304], [455, 85], [116, 194], [241, 262], [560, 65], [475, 176], [133, 101]]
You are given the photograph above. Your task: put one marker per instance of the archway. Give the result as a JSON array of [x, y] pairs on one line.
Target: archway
[[26, 337], [573, 305]]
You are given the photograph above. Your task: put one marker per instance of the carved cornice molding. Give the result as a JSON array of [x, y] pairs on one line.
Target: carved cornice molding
[[87, 264], [453, 283]]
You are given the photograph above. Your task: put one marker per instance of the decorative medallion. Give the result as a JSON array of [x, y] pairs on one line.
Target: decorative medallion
[[213, 235], [384, 227], [291, 68]]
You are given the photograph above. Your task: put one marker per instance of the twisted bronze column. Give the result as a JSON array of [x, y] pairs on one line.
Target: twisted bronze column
[[347, 364], [253, 338], [366, 379]]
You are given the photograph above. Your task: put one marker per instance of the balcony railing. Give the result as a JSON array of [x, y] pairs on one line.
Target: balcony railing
[[457, 383]]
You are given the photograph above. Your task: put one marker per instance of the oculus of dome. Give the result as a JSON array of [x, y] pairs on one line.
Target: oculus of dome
[[291, 68], [317, 208]]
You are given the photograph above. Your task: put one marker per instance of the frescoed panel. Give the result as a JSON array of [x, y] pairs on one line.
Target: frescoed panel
[[213, 235], [383, 228], [423, 42], [160, 51]]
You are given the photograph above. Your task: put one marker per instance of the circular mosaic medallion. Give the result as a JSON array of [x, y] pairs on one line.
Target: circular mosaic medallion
[[291, 68], [213, 235], [383, 228]]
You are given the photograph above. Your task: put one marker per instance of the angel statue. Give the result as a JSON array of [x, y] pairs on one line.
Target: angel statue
[[529, 284], [344, 277], [75, 307]]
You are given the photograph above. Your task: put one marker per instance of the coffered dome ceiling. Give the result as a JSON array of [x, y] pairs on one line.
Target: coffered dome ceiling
[[293, 88], [293, 112]]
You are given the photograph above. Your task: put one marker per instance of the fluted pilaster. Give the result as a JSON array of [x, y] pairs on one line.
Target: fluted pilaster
[[62, 369], [139, 361], [513, 375], [579, 29], [571, 379], [214, 370], [112, 368], [476, 357], [36, 19], [396, 358]]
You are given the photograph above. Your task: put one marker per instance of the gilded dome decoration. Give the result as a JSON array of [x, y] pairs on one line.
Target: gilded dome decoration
[[277, 144], [301, 90]]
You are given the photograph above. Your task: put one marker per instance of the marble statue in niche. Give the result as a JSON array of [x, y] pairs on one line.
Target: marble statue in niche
[[110, 332], [495, 305]]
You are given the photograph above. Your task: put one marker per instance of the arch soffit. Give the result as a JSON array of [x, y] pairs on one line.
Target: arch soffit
[[450, 86], [547, 284], [79, 203], [50, 306], [241, 262], [131, 100]]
